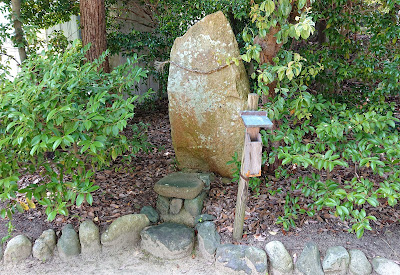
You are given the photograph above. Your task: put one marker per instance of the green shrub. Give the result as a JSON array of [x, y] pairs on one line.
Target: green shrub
[[333, 138], [345, 122], [64, 118]]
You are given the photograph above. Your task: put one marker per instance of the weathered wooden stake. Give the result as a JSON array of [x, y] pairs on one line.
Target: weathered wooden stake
[[243, 182]]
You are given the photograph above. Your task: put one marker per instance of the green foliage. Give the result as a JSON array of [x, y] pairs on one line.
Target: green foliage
[[363, 49], [283, 20], [64, 118], [166, 20], [346, 122], [36, 15], [327, 140], [44, 13]]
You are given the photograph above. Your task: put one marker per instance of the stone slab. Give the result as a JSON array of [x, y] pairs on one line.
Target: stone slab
[[168, 240], [179, 185]]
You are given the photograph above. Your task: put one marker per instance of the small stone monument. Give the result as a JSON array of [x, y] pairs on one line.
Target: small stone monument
[[181, 196]]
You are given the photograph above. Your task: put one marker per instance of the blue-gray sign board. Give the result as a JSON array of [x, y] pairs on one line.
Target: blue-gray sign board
[[256, 119]]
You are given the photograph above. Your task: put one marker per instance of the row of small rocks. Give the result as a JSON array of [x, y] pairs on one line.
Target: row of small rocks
[[252, 260], [174, 241], [123, 232]]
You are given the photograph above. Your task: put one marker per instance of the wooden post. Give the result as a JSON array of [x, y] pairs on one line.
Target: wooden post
[[244, 182]]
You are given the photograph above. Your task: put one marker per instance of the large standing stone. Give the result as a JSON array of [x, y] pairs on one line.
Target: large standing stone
[[168, 240], [205, 99], [124, 231], [359, 264], [336, 261], [43, 248], [89, 236], [68, 245], [309, 262], [18, 249], [384, 266], [240, 258], [280, 259], [208, 239]]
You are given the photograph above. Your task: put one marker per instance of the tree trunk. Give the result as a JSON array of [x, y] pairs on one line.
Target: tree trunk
[[93, 26], [19, 33], [321, 27], [269, 50]]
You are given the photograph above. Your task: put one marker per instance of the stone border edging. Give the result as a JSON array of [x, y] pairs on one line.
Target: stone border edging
[[125, 231]]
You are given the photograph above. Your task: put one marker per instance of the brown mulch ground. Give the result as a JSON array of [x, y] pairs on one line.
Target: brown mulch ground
[[125, 190]]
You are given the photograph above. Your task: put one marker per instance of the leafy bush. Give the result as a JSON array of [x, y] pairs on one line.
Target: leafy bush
[[64, 118], [164, 22], [345, 122], [333, 138]]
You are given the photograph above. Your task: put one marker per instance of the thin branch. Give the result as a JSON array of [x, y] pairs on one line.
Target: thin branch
[[134, 12], [12, 57], [134, 21]]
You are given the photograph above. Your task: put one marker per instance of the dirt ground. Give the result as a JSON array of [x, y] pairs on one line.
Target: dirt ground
[[123, 262], [126, 188]]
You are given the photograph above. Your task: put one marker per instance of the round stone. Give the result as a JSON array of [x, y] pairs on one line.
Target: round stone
[[168, 240], [179, 185]]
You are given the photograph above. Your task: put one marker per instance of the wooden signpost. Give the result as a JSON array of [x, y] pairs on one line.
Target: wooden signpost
[[251, 158]]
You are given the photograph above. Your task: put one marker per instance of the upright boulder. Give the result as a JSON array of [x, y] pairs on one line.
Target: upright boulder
[[206, 96], [89, 237], [43, 248], [68, 245], [18, 249], [124, 232]]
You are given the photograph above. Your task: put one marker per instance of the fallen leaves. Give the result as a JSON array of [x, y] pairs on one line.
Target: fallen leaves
[[127, 187]]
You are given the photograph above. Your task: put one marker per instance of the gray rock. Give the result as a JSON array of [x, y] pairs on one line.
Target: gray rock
[[336, 261], [279, 257], [309, 262], [1, 251], [359, 264], [68, 245], [124, 231], [179, 185], [162, 204], [208, 239], [207, 178], [175, 206], [89, 237], [203, 218], [43, 247], [151, 213], [194, 206], [384, 266], [240, 258], [168, 240], [183, 217], [18, 249], [204, 109]]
